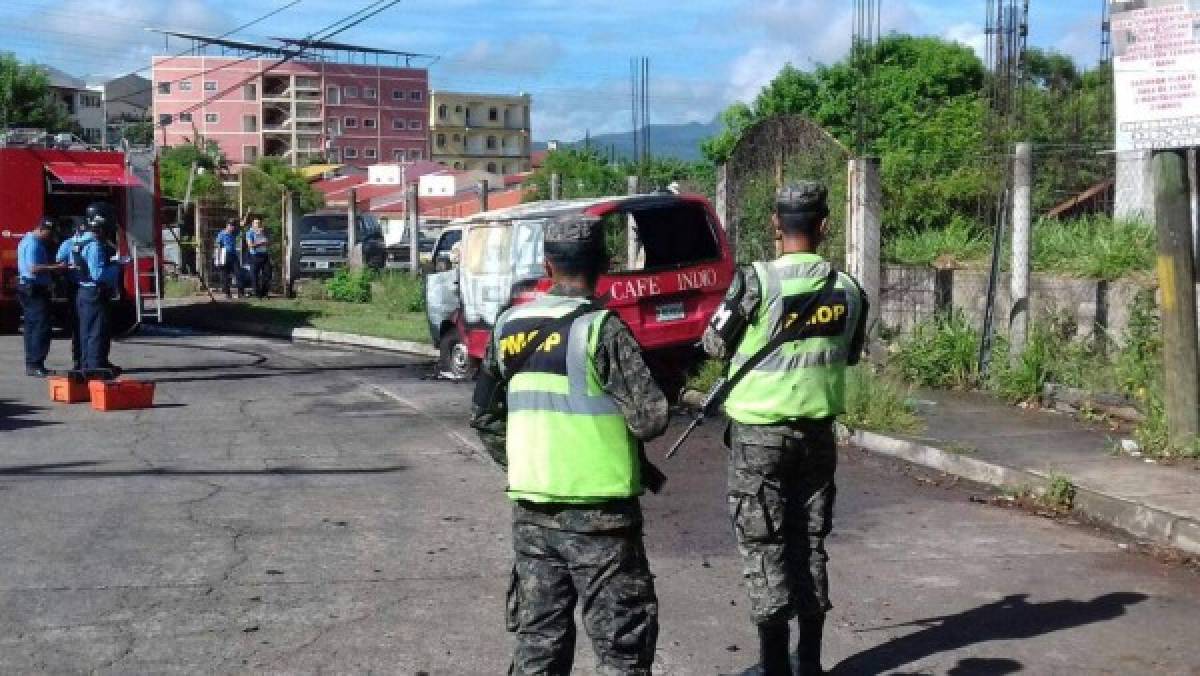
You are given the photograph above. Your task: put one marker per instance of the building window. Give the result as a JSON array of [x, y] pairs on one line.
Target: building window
[[185, 117], [369, 92], [210, 86], [370, 153], [333, 96], [398, 155], [350, 92], [164, 120], [184, 86], [249, 123], [491, 167], [397, 124], [350, 153], [443, 112], [491, 143], [441, 140], [415, 95], [368, 123], [414, 155], [397, 94], [164, 88], [458, 165], [350, 123], [334, 126], [333, 155], [457, 138], [414, 125], [493, 114], [249, 154], [211, 118], [250, 92]]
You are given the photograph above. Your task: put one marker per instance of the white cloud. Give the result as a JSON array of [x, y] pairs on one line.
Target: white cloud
[[525, 55], [969, 35]]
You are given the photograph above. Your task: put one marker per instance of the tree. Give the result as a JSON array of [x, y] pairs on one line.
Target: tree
[[139, 133], [26, 99], [586, 173], [175, 164]]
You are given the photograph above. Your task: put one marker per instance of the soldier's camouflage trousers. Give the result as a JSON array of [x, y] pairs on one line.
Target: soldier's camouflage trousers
[[608, 572], [781, 494]]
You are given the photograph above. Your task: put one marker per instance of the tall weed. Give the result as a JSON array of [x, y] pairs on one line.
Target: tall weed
[[942, 353]]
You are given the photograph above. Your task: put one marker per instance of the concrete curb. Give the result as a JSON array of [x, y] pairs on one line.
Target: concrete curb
[[1139, 520], [319, 337]]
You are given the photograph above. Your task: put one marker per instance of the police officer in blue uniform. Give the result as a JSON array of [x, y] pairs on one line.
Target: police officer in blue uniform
[[228, 260], [260, 259], [34, 281], [69, 285], [98, 277]]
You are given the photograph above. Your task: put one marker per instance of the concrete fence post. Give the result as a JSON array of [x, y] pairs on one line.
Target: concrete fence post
[[555, 186], [1022, 224], [865, 210], [412, 214], [291, 255], [353, 260]]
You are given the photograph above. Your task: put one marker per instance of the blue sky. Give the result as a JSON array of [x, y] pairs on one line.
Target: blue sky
[[571, 55]]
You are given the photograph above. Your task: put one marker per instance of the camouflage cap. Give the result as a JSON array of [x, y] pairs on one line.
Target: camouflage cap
[[573, 229], [802, 197]]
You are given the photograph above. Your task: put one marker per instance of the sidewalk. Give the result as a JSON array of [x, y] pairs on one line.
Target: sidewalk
[[985, 440]]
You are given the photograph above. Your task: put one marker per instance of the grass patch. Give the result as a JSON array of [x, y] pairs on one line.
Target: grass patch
[[1096, 247], [960, 241], [706, 374], [368, 319], [400, 292], [942, 353], [1060, 492], [877, 403], [180, 287]]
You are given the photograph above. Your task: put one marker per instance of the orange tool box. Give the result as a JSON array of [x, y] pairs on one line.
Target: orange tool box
[[68, 389], [120, 395]]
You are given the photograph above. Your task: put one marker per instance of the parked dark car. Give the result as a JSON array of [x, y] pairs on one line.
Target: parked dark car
[[322, 239]]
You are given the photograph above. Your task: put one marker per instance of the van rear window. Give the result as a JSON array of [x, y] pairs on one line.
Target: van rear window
[[665, 237]]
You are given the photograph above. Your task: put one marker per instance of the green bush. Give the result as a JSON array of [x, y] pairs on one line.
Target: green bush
[[877, 403], [706, 374], [941, 353], [350, 287], [1050, 356], [401, 292]]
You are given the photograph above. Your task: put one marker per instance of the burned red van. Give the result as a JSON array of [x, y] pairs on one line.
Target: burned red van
[[670, 266]]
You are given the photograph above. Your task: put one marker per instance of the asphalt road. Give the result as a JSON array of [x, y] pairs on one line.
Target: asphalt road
[[299, 509]]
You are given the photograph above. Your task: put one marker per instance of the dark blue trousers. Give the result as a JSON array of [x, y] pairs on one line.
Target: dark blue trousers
[[35, 306], [91, 303]]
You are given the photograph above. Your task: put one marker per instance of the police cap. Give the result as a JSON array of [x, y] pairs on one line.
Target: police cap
[[803, 197]]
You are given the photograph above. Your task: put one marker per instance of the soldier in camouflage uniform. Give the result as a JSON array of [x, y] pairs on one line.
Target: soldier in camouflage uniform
[[783, 451], [567, 423]]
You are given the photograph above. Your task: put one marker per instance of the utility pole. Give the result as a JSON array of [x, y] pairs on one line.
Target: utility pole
[[352, 260], [483, 195], [1176, 280], [412, 212], [1022, 221], [291, 252], [555, 187]]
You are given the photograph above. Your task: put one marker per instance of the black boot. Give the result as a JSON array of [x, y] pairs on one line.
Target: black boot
[[773, 647], [808, 646]]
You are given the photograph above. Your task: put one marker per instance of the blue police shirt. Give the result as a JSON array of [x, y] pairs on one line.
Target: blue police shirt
[[229, 242], [64, 254], [30, 252], [97, 263], [253, 239]]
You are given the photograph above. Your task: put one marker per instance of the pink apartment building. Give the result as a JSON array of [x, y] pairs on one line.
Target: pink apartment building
[[300, 111]]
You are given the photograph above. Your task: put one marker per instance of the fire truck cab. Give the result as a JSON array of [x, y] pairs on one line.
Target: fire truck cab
[[670, 267], [38, 181]]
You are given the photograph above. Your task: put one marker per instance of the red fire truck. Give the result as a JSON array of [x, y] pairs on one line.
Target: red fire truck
[[671, 266], [38, 181]]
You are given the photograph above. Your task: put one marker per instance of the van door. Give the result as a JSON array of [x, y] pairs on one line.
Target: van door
[[670, 278], [441, 301], [496, 257]]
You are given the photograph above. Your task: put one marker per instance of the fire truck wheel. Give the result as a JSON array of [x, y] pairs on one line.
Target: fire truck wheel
[[455, 361]]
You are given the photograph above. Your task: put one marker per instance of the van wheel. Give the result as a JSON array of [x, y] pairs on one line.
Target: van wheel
[[455, 361]]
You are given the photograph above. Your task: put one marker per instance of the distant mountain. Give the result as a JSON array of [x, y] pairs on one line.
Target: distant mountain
[[681, 141]]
